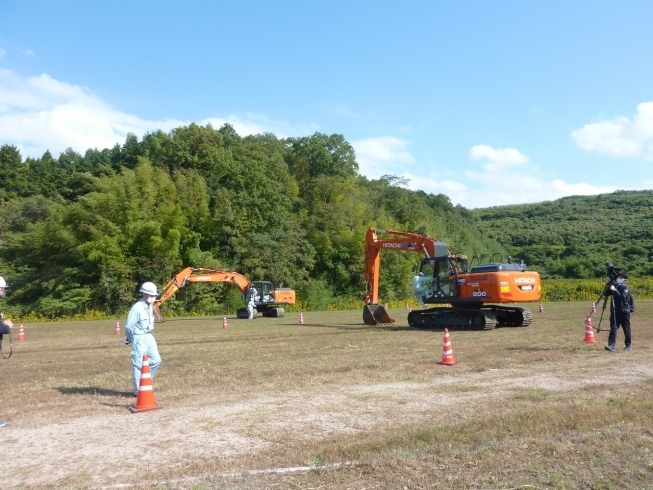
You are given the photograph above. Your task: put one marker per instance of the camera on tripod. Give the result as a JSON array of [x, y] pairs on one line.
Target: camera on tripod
[[613, 272]]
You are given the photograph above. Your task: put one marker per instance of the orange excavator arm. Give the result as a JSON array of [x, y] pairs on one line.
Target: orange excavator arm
[[373, 313], [191, 274], [404, 241]]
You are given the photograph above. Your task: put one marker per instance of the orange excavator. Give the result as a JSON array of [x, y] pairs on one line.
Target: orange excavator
[[266, 296], [464, 297]]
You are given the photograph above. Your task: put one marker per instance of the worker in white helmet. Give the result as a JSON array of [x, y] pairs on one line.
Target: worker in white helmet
[[420, 288], [5, 326], [138, 330], [251, 302]]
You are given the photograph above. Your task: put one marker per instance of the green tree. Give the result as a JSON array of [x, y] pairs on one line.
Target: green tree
[[13, 173]]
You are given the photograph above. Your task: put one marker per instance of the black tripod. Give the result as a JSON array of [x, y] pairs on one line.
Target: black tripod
[[604, 295]]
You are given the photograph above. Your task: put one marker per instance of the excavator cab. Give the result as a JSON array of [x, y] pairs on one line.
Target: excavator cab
[[264, 292], [444, 271], [267, 299]]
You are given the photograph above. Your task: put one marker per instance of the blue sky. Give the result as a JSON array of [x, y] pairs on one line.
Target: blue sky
[[488, 102]]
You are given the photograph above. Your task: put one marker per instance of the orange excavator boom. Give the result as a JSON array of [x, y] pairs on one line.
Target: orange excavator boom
[[191, 274], [407, 241]]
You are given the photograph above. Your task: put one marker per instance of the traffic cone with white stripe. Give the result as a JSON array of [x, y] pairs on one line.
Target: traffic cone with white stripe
[[301, 318], [541, 308], [224, 322], [21, 332], [117, 330], [447, 350], [589, 331], [593, 307], [145, 400]]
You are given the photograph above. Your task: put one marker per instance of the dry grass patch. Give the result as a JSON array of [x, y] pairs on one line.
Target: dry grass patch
[[523, 406]]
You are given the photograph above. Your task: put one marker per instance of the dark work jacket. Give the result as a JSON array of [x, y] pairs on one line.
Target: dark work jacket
[[623, 299]]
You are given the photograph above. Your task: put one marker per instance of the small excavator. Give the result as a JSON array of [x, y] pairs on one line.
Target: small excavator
[[266, 300], [464, 297]]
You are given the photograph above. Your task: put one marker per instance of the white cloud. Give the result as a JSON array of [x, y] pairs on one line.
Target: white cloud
[[507, 177], [41, 113], [621, 136], [382, 155], [26, 52], [503, 189], [498, 159], [259, 123], [435, 183]]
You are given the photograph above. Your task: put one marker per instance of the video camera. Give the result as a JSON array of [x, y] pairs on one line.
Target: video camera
[[613, 272]]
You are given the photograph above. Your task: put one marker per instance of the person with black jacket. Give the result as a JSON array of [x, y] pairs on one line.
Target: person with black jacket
[[621, 307], [5, 326]]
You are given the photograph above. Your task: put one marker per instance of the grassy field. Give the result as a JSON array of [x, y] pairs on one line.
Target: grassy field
[[332, 404]]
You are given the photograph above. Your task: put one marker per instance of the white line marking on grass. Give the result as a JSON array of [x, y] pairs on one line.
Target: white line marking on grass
[[271, 471]]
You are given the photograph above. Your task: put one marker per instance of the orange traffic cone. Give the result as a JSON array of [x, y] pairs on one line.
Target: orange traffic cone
[[541, 308], [301, 318], [117, 330], [593, 307], [447, 351], [145, 400], [21, 332], [589, 331], [224, 322]]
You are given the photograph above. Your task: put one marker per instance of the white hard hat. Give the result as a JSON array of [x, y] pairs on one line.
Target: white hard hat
[[3, 283], [149, 288], [420, 274]]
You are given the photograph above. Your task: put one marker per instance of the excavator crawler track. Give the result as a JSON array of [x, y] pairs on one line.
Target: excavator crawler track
[[511, 316], [453, 318]]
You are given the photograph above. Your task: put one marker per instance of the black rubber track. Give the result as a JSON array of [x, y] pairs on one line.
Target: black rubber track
[[511, 316], [453, 318]]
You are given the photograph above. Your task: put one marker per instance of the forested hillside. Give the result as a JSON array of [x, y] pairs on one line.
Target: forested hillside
[[573, 237], [79, 233]]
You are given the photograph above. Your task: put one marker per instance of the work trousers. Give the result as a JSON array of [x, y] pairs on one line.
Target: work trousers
[[617, 319], [144, 344]]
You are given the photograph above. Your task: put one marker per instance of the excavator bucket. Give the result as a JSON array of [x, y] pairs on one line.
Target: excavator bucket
[[376, 315]]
